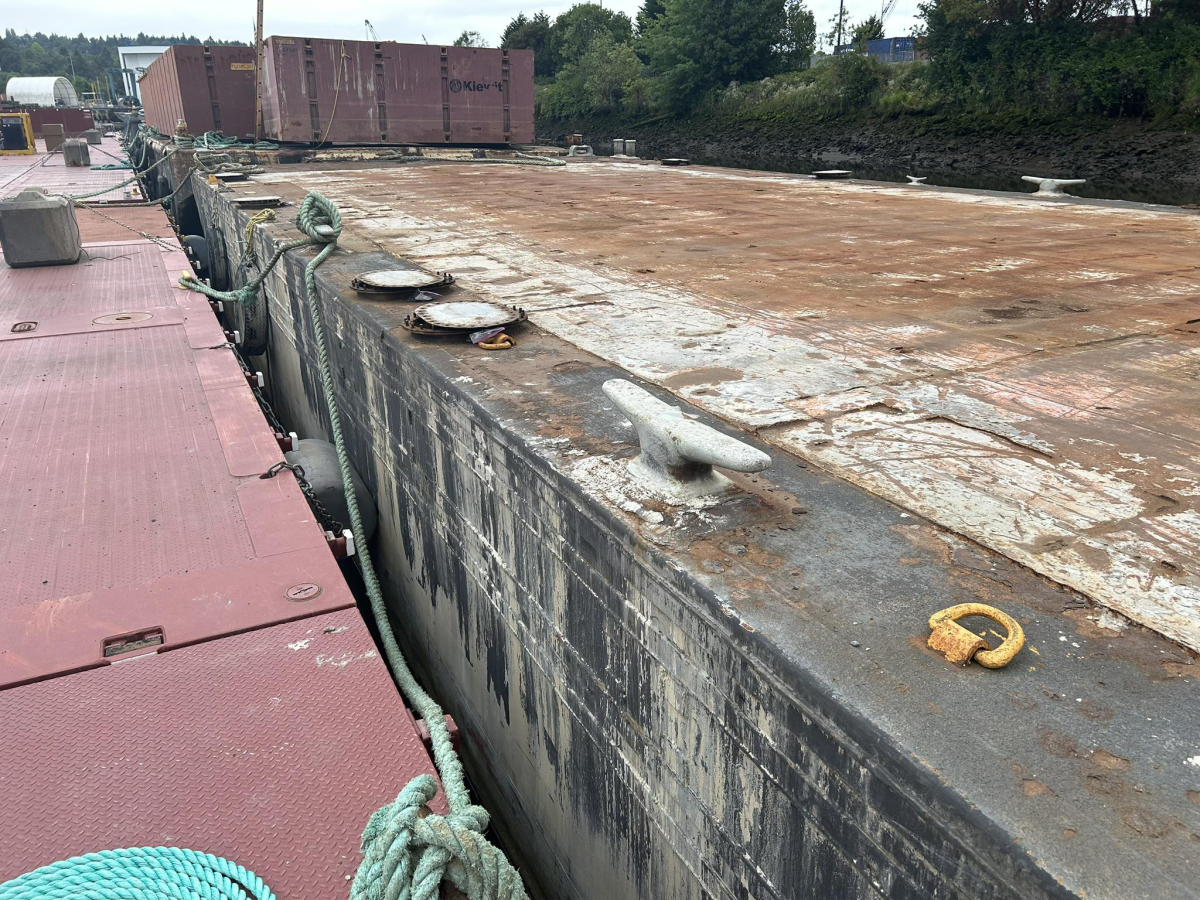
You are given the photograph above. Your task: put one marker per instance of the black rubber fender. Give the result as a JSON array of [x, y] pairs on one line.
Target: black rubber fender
[[218, 261], [197, 248], [251, 322], [324, 474]]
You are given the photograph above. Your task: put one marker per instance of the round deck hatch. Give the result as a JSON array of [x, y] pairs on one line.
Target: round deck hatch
[[399, 279], [467, 314]]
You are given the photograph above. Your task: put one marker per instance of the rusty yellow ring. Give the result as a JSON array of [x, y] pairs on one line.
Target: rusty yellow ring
[[500, 342], [1010, 647]]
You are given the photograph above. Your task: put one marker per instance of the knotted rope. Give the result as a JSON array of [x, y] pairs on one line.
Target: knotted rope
[[407, 849]]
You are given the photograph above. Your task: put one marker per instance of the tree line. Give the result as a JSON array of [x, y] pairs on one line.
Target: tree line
[[1020, 59], [82, 60]]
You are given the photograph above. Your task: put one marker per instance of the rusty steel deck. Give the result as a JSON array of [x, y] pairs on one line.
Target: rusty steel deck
[[1021, 372], [734, 697]]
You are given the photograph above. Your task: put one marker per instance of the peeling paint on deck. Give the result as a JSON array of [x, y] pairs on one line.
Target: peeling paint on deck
[[735, 701], [1039, 401]]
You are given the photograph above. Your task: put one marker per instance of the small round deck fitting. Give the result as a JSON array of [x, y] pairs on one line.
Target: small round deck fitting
[[960, 646], [122, 318], [306, 590]]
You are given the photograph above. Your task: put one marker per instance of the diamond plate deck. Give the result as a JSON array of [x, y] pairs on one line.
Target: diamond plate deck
[[129, 492], [51, 172], [271, 748]]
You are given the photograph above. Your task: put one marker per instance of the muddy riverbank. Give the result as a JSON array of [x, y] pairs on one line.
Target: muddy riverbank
[[1126, 161]]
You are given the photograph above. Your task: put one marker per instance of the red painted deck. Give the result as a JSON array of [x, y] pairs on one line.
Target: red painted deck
[[271, 748], [50, 171], [131, 453], [261, 728]]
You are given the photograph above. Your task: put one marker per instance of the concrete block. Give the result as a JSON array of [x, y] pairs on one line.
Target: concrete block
[[38, 230], [92, 136], [76, 154], [618, 146], [630, 147], [53, 135]]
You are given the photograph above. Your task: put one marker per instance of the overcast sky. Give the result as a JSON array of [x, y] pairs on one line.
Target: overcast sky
[[437, 22]]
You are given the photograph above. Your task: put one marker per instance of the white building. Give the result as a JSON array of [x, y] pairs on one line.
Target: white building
[[43, 91], [136, 58]]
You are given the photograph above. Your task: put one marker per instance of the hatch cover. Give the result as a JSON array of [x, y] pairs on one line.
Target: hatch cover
[[467, 314]]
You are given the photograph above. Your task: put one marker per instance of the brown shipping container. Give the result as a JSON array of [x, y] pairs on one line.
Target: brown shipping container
[[210, 88], [390, 93], [74, 119]]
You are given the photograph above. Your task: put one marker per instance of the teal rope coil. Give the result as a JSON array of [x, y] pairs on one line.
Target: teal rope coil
[[407, 850], [139, 873]]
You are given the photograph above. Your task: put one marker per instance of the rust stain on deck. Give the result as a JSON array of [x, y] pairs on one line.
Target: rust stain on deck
[[1023, 373]]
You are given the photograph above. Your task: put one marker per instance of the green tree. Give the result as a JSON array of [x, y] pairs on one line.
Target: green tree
[[697, 46], [799, 36], [606, 78], [611, 70], [574, 31], [469, 39], [869, 29], [651, 10], [524, 33]]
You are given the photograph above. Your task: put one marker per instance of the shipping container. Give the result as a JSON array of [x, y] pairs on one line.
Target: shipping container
[[210, 88], [74, 120], [362, 92]]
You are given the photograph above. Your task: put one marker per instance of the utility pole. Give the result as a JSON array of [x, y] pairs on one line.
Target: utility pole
[[258, 74], [841, 19]]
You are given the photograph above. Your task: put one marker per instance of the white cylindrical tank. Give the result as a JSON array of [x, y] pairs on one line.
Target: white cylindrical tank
[[52, 90]]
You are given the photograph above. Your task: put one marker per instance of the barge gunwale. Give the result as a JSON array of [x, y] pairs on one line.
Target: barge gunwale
[[980, 779]]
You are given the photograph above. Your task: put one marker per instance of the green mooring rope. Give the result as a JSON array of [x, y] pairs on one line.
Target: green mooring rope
[[407, 851], [139, 873]]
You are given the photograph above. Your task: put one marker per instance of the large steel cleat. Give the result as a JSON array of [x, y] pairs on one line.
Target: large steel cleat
[[1051, 187], [678, 453]]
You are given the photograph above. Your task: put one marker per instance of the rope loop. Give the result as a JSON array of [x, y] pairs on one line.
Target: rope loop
[[409, 850], [319, 219]]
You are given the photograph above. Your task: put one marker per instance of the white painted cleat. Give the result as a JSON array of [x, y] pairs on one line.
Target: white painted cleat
[[916, 179], [678, 453], [1051, 187]]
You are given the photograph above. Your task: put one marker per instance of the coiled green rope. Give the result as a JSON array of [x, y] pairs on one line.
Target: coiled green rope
[[139, 873], [407, 850]]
